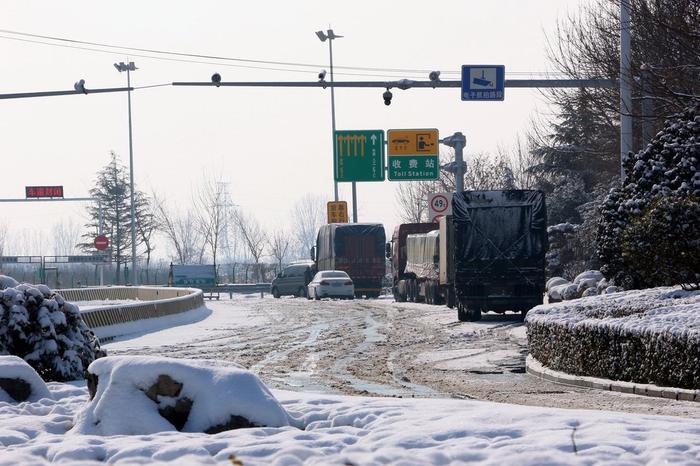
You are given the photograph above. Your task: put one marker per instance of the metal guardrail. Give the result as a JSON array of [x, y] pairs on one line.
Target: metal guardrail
[[232, 288]]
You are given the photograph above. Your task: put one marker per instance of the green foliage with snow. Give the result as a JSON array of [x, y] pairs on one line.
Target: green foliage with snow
[[39, 326], [646, 216]]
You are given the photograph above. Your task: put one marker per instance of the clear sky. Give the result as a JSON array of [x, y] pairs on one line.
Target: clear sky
[[271, 145]]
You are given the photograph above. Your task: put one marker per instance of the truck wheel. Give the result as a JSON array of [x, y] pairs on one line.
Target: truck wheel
[[462, 313], [276, 293], [414, 292], [302, 292], [474, 315], [450, 298]]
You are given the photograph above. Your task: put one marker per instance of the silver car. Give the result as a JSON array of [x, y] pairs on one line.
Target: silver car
[[331, 284]]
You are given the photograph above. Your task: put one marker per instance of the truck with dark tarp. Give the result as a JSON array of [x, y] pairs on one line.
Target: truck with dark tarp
[[357, 249], [492, 251], [396, 250]]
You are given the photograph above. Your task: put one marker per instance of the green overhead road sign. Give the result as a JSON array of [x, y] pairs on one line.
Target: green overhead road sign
[[359, 155]]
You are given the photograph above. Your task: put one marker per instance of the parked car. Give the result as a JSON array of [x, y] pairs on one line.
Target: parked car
[[292, 280], [331, 284]]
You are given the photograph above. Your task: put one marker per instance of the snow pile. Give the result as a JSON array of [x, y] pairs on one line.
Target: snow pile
[[19, 382], [644, 336], [39, 326], [588, 283], [341, 430], [649, 233], [138, 395]]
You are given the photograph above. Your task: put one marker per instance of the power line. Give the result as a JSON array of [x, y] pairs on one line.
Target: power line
[[224, 58], [201, 62]]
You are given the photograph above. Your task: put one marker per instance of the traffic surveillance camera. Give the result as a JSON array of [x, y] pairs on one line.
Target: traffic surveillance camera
[[434, 76], [80, 86], [216, 79], [387, 97], [322, 75]]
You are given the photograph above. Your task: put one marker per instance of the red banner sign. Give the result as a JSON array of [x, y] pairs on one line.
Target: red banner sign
[[35, 192]]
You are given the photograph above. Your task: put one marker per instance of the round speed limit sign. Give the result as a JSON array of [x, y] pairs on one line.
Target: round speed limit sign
[[439, 203]]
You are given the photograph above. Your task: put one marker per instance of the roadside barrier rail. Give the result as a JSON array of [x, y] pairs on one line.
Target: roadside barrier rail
[[157, 302]]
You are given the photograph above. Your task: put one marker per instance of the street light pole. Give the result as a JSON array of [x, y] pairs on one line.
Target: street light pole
[[330, 35], [121, 66]]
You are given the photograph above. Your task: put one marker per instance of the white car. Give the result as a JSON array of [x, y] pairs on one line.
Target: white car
[[331, 284]]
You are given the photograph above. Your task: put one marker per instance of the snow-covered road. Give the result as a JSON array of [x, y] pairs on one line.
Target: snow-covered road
[[378, 347]]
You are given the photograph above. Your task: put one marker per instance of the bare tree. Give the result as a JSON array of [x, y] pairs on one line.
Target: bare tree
[[521, 160], [180, 231], [3, 237], [481, 173], [253, 236], [146, 225], [278, 245], [308, 214], [412, 196], [66, 236], [211, 212]]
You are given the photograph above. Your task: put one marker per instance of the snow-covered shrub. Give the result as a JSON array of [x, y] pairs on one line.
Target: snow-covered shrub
[[588, 283], [137, 395], [20, 382], [39, 326], [669, 167], [644, 336], [662, 247]]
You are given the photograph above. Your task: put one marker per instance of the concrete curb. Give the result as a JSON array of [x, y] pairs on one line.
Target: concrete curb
[[534, 367]]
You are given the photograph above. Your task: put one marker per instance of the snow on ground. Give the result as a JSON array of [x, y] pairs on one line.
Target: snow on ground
[[136, 328], [189, 326], [467, 359], [360, 431], [332, 429]]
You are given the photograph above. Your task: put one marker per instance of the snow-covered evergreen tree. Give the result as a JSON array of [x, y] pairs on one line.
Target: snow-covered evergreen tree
[[39, 326], [665, 175]]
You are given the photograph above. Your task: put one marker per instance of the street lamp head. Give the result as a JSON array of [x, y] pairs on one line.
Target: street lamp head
[[332, 35], [322, 75], [121, 66], [321, 35]]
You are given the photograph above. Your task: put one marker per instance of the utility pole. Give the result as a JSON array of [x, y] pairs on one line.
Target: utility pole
[[329, 36], [625, 85], [121, 66]]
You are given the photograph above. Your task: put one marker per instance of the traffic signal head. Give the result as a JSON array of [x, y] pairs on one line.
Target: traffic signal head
[[216, 79], [387, 97]]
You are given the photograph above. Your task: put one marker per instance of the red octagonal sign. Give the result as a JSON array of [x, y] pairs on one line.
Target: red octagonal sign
[[101, 242]]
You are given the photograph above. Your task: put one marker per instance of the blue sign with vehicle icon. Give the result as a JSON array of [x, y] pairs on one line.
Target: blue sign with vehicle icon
[[483, 82]]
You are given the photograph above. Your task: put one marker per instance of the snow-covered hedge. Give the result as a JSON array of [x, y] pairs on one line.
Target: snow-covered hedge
[[588, 283], [137, 395], [19, 382], [48, 332], [664, 176], [644, 336]]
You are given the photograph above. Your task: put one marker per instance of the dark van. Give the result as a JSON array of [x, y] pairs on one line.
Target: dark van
[[292, 280]]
